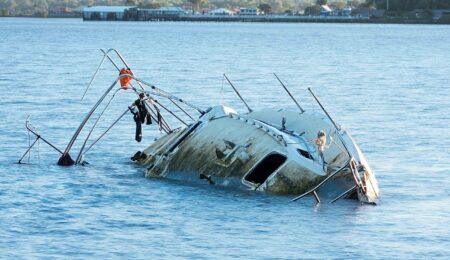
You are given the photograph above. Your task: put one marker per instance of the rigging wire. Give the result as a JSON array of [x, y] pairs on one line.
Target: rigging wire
[[29, 145], [38, 154], [221, 90]]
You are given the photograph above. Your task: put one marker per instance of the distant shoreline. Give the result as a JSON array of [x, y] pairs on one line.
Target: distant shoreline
[[261, 19], [308, 19]]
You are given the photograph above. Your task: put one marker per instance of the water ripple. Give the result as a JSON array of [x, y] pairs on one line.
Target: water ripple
[[386, 83]]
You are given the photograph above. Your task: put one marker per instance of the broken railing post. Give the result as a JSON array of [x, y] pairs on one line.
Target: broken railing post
[[316, 197]]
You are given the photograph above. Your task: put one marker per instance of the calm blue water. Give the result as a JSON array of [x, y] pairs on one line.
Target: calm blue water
[[387, 84]]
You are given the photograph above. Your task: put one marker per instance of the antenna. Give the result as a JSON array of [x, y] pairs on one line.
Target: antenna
[[237, 92], [289, 93]]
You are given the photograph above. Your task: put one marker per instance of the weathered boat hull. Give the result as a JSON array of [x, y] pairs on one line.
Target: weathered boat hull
[[251, 152], [341, 151]]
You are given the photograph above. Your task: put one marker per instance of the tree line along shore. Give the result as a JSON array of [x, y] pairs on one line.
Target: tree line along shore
[[370, 11]]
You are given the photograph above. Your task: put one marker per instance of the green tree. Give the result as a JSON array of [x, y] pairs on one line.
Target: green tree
[[4, 12], [265, 8], [198, 3], [367, 4], [340, 4], [152, 5], [312, 10], [131, 2], [353, 3], [41, 8], [423, 4]]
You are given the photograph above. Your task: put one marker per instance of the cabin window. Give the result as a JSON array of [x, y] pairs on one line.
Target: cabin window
[[265, 168], [305, 154]]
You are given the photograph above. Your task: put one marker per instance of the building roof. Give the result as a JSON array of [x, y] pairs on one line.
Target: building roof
[[326, 8], [172, 8], [221, 11], [112, 9]]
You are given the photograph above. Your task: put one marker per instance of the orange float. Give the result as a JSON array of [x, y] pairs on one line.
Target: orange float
[[124, 81]]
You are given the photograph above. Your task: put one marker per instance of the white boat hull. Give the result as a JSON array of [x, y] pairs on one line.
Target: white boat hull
[[253, 151]]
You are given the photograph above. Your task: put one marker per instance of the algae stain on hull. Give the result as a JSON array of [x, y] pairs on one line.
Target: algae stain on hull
[[226, 156], [235, 150]]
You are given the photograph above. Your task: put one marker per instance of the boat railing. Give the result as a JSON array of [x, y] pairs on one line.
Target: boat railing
[[313, 190], [145, 93]]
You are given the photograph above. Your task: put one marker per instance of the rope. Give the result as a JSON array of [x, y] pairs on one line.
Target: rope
[[107, 130], [168, 110], [221, 91], [340, 147], [29, 145], [163, 124], [39, 157], [182, 109], [95, 124]]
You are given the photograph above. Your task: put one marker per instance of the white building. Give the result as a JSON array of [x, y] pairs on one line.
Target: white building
[[105, 12], [172, 10], [248, 11], [221, 11]]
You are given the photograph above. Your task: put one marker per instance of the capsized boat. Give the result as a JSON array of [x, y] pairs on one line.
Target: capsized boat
[[268, 151]]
